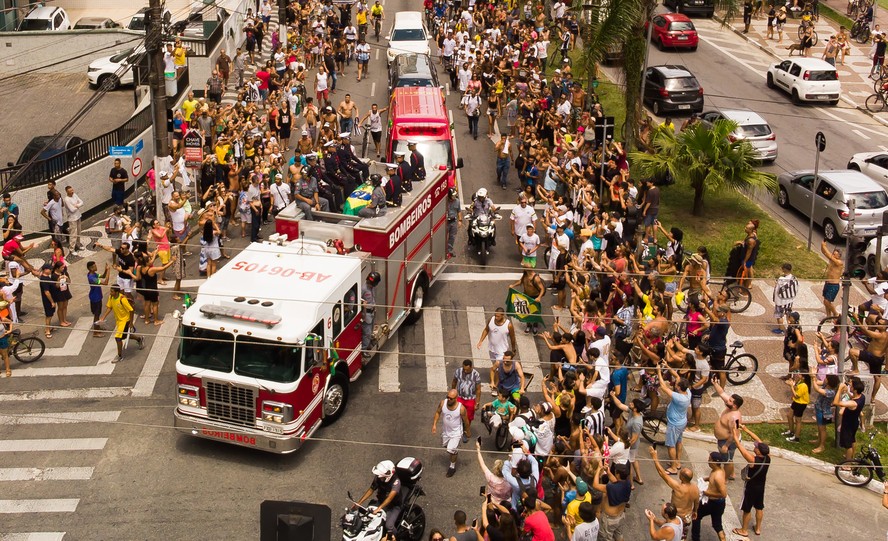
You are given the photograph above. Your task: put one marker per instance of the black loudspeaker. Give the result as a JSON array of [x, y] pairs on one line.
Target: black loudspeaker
[[294, 521]]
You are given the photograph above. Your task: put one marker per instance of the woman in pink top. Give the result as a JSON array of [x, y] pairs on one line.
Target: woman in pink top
[[162, 242], [499, 489]]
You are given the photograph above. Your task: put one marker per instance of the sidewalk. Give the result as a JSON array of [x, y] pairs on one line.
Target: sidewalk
[[853, 72]]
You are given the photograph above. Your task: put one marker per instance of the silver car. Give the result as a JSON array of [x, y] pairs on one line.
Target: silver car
[[751, 127], [833, 190]]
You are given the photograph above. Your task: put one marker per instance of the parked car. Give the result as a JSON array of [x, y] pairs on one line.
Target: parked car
[[751, 127], [806, 79], [139, 21], [93, 23], [66, 152], [116, 68], [872, 164], [674, 30], [672, 88], [408, 35], [412, 69], [834, 189], [871, 255], [693, 7], [45, 18]]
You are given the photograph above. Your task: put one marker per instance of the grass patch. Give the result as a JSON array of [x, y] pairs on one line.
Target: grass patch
[[770, 433], [841, 18], [724, 216]]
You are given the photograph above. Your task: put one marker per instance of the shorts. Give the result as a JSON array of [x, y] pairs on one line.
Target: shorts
[[451, 443], [126, 284], [671, 287], [529, 261], [753, 497], [783, 310], [95, 308], [650, 218], [674, 434], [696, 401], [798, 409], [611, 527], [469, 404], [717, 359], [846, 439], [830, 291], [120, 328], [822, 419], [495, 357], [732, 447], [376, 135], [180, 235], [633, 453], [164, 256], [875, 363]]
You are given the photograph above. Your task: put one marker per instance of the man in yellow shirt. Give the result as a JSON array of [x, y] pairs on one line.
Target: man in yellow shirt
[[189, 106], [123, 316], [583, 495], [179, 53]]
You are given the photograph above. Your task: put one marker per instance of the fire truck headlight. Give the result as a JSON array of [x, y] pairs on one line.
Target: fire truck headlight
[[189, 396], [276, 412]]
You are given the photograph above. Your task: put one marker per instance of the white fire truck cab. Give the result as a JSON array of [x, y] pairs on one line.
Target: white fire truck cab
[[273, 340]]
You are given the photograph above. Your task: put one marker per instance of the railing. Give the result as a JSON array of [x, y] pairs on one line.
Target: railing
[[204, 46], [74, 158]]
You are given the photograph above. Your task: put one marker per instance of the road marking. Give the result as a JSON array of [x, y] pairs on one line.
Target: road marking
[[447, 89], [110, 351], [59, 418], [65, 505], [373, 88], [75, 341], [883, 147], [377, 54], [529, 356], [157, 356], [45, 474], [33, 536], [879, 133], [389, 381], [478, 276], [477, 320], [433, 335], [860, 134], [59, 444], [32, 371], [66, 394]]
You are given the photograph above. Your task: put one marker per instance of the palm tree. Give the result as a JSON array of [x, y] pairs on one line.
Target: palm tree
[[705, 158]]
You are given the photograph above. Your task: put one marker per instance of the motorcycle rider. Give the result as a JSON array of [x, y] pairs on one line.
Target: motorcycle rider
[[481, 206], [387, 487]]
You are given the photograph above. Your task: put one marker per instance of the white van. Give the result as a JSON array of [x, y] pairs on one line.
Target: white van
[[45, 18], [408, 35]]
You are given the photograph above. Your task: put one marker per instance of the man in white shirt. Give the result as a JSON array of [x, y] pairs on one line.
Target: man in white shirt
[[280, 194], [522, 216], [471, 102], [598, 388], [529, 242], [565, 108], [72, 203], [602, 343]]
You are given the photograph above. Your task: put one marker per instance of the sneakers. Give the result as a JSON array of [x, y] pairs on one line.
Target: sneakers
[[793, 439], [787, 433], [141, 342], [117, 359], [451, 470], [465, 439]]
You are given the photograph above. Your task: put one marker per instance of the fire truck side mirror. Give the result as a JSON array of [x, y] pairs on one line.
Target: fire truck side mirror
[[459, 163]]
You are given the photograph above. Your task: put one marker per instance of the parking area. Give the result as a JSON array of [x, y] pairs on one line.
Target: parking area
[[42, 104]]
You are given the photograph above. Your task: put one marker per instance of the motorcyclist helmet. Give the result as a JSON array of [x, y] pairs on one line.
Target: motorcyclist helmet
[[376, 179], [482, 193], [385, 470], [373, 279], [452, 192]]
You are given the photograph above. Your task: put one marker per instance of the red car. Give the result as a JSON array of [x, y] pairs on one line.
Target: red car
[[674, 30]]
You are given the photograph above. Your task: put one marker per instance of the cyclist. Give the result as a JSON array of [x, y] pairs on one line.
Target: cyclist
[[362, 19], [388, 493], [377, 14], [351, 39]]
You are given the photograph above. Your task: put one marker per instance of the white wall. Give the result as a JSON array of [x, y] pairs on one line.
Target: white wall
[[61, 52]]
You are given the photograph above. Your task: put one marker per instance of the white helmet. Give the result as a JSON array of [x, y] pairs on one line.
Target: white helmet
[[482, 192], [384, 470]]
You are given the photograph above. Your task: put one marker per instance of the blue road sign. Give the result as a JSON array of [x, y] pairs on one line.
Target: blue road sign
[[139, 146], [120, 152]]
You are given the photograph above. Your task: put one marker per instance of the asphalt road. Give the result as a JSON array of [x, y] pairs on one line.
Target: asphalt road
[[88, 450]]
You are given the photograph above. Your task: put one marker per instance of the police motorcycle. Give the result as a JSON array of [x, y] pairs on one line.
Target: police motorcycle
[[360, 523], [482, 228]]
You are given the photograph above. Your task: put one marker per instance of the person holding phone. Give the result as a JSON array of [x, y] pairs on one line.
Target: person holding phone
[[463, 531], [729, 419]]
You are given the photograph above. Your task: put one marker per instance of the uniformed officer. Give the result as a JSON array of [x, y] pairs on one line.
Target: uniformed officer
[[368, 296], [393, 187], [349, 160], [417, 161], [454, 220], [307, 198], [405, 172], [377, 206]]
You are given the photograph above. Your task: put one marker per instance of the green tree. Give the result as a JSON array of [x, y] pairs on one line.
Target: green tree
[[704, 158]]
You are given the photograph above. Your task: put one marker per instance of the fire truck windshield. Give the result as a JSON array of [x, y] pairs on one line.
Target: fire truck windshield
[[263, 359], [206, 348], [435, 153]]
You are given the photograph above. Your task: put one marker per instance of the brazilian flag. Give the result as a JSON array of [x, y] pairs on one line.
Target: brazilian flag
[[358, 199], [524, 308]]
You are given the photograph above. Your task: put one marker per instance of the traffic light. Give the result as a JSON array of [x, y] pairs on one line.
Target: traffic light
[[855, 259]]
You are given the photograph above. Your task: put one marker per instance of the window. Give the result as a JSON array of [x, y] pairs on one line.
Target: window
[[823, 75], [337, 320], [881, 161], [315, 345], [825, 190], [870, 200], [408, 34], [350, 305], [784, 65], [755, 130], [206, 349], [264, 359], [795, 70], [681, 27], [805, 181], [680, 84]]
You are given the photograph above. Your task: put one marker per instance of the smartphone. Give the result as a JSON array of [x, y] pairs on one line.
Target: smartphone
[[737, 422], [474, 523], [488, 498], [483, 491]]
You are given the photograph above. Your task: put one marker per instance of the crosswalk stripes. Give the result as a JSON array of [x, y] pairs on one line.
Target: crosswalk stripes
[[389, 381], [33, 536], [436, 367], [529, 356]]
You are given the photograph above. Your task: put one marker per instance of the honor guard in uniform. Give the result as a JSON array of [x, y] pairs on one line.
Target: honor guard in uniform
[[368, 296], [405, 172], [350, 161], [417, 162], [393, 187], [306, 195]]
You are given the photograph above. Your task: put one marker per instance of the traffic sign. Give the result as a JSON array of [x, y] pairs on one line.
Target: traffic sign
[[139, 146], [137, 167], [193, 143], [120, 152], [820, 141]]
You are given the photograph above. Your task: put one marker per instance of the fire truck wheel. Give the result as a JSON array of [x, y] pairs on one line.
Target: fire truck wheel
[[417, 300], [335, 399]]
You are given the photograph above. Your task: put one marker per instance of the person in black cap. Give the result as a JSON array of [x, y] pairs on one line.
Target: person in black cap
[[417, 161], [755, 476]]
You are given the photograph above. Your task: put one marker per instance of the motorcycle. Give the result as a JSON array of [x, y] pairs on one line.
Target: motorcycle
[[482, 233], [360, 523]]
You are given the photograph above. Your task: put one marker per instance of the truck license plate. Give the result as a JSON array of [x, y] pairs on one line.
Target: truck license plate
[[273, 429]]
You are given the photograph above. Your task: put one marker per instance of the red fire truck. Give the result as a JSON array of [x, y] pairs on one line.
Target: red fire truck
[[273, 339]]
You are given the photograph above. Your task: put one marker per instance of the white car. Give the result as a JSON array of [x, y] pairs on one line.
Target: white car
[[872, 164], [408, 35], [871, 255], [116, 68], [751, 127], [45, 18], [806, 79]]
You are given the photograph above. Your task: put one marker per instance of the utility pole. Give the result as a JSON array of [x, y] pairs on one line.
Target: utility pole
[[154, 47], [282, 23], [846, 301]]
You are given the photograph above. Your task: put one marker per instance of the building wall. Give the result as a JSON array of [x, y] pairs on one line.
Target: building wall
[[61, 52]]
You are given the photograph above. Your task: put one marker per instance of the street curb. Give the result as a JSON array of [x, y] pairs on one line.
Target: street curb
[[772, 54], [797, 458]]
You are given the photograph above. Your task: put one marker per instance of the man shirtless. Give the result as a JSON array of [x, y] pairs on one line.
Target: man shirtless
[[685, 494], [695, 275], [834, 268], [311, 119], [348, 110], [532, 285], [729, 419], [715, 494], [874, 354]]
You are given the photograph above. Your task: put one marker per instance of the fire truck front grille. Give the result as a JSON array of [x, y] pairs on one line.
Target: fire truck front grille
[[230, 403]]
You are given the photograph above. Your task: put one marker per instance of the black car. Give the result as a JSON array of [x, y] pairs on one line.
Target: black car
[[672, 89], [691, 7], [64, 154], [412, 69]]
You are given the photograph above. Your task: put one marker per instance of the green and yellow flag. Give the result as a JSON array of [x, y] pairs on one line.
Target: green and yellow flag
[[523, 307]]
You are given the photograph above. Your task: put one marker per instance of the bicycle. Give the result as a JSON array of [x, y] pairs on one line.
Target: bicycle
[[877, 102], [856, 7], [880, 84], [860, 31], [377, 25], [803, 27], [738, 297], [830, 327], [26, 348], [502, 437], [858, 471], [365, 139], [740, 369]]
